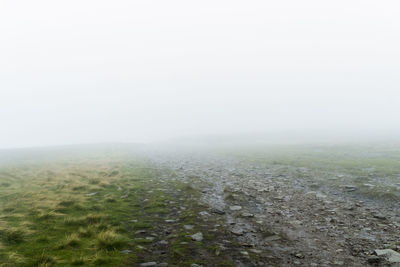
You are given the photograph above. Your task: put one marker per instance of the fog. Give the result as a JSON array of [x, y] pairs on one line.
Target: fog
[[74, 72]]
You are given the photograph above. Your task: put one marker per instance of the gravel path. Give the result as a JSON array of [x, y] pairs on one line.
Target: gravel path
[[278, 216]]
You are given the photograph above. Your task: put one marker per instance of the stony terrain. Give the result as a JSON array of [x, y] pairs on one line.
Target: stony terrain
[[146, 206], [280, 219]]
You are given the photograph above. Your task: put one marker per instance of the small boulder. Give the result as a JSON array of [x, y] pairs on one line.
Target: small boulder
[[197, 237], [147, 264], [391, 255], [235, 208]]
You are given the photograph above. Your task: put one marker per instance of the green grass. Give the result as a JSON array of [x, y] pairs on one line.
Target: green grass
[[71, 212]]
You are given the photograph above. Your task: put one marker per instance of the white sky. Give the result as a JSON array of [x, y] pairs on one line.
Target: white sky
[[132, 71]]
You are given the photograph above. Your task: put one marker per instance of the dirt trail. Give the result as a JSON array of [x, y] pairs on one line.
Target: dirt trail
[[276, 216]]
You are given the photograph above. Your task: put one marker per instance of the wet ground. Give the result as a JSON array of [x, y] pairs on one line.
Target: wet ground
[[280, 218]]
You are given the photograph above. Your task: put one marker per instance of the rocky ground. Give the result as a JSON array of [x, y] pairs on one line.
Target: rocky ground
[[278, 219]]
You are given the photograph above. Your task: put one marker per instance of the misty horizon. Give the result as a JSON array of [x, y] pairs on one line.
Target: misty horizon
[[129, 72]]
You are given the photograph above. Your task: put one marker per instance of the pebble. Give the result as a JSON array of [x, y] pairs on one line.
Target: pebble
[[299, 255], [235, 208], [146, 264], [218, 211], [237, 231], [380, 216], [350, 188], [188, 227], [244, 253], [272, 238], [197, 237]]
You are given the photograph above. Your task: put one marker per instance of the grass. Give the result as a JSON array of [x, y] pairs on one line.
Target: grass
[[86, 210], [69, 212]]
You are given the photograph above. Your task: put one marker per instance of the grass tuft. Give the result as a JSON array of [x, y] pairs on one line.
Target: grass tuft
[[12, 236], [71, 241], [109, 240]]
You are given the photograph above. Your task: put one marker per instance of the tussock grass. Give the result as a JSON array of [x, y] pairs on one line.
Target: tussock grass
[[109, 240], [12, 236], [86, 232], [49, 216], [43, 260], [71, 241]]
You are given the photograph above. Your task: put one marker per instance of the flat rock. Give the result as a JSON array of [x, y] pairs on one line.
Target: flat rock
[[237, 231], [380, 217], [247, 214], [197, 237], [146, 264], [391, 255], [235, 208], [350, 188], [272, 238], [218, 211], [188, 227], [204, 213]]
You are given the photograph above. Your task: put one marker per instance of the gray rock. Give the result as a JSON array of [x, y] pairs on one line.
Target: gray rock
[[237, 231], [350, 188], [126, 251], [380, 216], [244, 253], [235, 208], [146, 264], [218, 211], [247, 214], [188, 227], [391, 255], [272, 238], [299, 255], [197, 237], [204, 213]]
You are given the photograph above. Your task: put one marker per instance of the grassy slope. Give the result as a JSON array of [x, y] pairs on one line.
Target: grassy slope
[[66, 213], [86, 210]]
